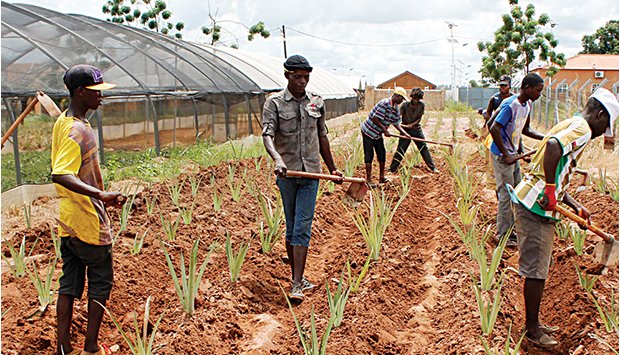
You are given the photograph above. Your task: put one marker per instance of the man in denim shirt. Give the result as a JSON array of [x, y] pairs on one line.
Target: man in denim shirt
[[295, 135]]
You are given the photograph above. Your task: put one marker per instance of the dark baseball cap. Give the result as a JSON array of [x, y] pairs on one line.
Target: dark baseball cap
[[504, 80], [86, 76], [296, 62]]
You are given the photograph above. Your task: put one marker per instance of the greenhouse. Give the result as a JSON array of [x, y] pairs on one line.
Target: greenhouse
[[169, 92]]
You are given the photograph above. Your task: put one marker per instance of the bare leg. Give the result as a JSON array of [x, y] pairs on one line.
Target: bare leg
[[95, 315], [300, 253], [64, 315]]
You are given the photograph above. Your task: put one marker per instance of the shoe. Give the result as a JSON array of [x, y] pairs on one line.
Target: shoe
[[372, 185], [434, 171], [306, 285], [383, 180], [548, 329], [296, 291], [544, 341]]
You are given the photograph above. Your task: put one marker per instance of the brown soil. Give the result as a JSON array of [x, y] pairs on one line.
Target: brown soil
[[416, 299]]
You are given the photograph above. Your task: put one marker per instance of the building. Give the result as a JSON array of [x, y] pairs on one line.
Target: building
[[408, 81], [586, 72]]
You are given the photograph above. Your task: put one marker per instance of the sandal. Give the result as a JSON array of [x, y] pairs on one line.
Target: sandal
[[371, 185], [103, 350], [544, 341], [383, 180]]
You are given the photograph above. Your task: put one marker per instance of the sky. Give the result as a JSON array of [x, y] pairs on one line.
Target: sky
[[373, 40]]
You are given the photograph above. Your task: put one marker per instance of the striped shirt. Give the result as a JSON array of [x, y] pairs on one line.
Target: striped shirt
[[387, 114], [74, 152], [573, 135], [512, 117]]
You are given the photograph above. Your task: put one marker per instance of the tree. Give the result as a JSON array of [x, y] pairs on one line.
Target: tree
[[603, 41], [517, 42], [473, 83], [154, 15]]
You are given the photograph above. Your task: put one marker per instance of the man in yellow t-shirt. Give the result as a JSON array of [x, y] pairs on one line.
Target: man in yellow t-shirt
[[86, 243], [536, 196]]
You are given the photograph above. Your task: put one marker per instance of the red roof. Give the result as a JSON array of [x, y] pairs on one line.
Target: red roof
[[593, 62]]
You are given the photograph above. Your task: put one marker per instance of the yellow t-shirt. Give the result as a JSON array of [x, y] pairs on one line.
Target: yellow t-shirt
[[573, 135], [74, 151]]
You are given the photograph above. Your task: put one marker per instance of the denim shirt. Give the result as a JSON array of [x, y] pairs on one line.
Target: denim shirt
[[295, 126]]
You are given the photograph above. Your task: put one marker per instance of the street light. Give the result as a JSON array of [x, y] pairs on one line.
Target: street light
[[452, 40]]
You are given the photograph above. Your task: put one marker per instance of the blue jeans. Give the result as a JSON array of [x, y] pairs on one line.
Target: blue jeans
[[299, 200]]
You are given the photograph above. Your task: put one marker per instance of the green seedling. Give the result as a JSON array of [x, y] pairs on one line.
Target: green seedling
[[175, 190], [195, 184], [488, 270], [579, 238], [186, 284], [235, 261], [138, 339], [587, 282], [487, 309], [609, 315], [17, 264], [44, 286], [217, 198], [150, 204], [56, 241], [355, 283], [337, 301], [170, 227], [28, 215], [508, 350], [136, 246]]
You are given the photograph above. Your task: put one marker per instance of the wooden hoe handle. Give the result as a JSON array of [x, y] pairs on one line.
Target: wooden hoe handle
[[596, 230], [303, 174], [40, 98], [420, 140]]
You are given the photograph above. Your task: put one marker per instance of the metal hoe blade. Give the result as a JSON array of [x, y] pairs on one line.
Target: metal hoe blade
[[606, 253], [355, 194]]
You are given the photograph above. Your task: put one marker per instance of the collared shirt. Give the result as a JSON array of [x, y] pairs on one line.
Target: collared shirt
[[387, 114], [573, 135], [74, 152], [295, 126], [412, 114], [512, 117]]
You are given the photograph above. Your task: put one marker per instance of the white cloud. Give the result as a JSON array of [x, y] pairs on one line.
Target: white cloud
[[376, 22]]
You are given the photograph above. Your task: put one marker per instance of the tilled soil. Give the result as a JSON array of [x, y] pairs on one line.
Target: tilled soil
[[416, 299]]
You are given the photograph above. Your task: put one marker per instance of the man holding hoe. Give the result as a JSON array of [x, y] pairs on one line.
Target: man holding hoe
[[512, 120], [538, 193], [295, 136], [86, 243]]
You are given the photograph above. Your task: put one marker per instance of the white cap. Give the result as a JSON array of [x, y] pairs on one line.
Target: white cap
[[610, 102]]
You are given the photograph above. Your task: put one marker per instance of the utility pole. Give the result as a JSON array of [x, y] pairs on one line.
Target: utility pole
[[452, 41], [284, 40]]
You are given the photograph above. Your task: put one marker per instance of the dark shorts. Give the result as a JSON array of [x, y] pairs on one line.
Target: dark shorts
[[372, 145], [80, 259]]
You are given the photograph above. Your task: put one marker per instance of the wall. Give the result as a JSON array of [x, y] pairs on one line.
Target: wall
[[434, 100]]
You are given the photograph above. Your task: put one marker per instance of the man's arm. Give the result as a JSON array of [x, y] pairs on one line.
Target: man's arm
[[72, 183], [528, 131], [496, 134], [553, 153], [280, 167], [378, 123], [489, 110]]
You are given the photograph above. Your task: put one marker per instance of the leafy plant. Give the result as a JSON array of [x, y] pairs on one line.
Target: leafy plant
[[507, 349], [354, 285], [136, 246], [150, 204], [175, 190], [170, 227], [487, 309], [235, 189], [235, 261], [195, 184], [381, 212], [56, 241], [563, 230], [488, 270], [18, 257], [608, 315], [467, 212], [186, 213], [186, 284], [310, 342], [337, 301], [139, 341], [587, 282], [273, 214], [44, 285], [217, 199], [124, 213], [579, 238]]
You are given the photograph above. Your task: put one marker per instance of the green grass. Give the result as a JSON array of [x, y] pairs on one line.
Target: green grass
[[123, 165]]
